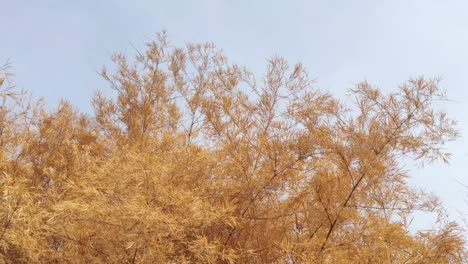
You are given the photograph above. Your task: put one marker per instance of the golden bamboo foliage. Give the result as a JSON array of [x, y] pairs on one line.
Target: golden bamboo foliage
[[192, 159]]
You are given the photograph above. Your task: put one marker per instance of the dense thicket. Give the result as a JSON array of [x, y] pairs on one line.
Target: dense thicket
[[192, 159]]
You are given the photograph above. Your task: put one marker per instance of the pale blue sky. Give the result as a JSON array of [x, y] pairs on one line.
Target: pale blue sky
[[57, 47]]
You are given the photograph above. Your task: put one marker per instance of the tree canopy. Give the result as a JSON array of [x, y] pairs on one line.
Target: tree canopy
[[189, 158]]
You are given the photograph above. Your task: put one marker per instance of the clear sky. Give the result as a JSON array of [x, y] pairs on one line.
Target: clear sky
[[57, 48]]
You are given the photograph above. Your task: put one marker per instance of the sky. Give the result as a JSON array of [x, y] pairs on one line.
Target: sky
[[57, 48]]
